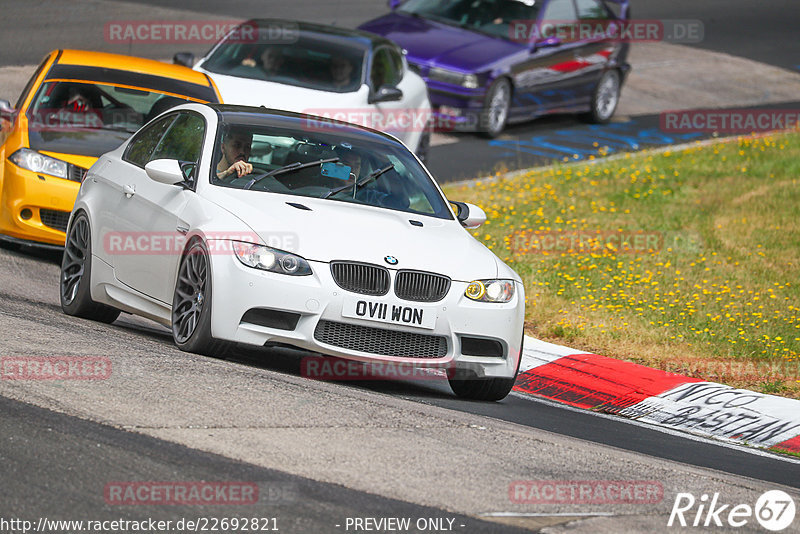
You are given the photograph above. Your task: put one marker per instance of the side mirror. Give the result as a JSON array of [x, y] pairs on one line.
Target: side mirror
[[7, 111], [386, 93], [184, 58], [165, 171], [549, 42], [469, 215]]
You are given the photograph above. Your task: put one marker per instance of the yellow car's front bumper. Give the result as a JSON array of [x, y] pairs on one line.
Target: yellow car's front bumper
[[35, 206]]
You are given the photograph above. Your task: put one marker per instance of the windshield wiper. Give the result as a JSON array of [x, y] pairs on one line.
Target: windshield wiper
[[288, 168], [367, 179]]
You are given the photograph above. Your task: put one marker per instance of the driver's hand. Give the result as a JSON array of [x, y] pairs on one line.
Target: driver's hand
[[240, 168]]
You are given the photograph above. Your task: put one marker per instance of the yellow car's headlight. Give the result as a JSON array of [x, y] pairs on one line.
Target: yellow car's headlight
[[37, 162], [490, 290]]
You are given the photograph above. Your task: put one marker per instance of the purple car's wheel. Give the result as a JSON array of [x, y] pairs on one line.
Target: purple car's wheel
[[76, 275], [605, 97], [495, 109]]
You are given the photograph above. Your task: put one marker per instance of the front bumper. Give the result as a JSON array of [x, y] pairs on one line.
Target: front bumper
[[35, 207], [236, 289]]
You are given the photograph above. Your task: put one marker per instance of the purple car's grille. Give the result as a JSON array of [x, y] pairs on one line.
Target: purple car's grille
[[421, 286], [380, 341], [363, 278]]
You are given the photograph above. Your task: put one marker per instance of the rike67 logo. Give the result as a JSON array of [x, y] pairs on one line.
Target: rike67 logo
[[774, 511]]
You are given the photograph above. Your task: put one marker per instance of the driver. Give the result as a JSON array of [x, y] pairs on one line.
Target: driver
[[236, 147], [349, 157]]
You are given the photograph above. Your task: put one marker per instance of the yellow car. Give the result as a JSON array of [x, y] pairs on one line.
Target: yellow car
[[77, 106]]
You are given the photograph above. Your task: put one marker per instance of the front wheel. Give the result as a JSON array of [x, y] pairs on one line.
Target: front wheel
[[76, 275], [495, 108], [605, 98], [191, 305]]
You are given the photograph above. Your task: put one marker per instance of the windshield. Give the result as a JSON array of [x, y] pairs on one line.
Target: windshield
[[492, 17], [309, 62], [341, 168], [83, 105]]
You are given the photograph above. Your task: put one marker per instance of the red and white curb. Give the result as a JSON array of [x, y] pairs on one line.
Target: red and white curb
[[653, 396]]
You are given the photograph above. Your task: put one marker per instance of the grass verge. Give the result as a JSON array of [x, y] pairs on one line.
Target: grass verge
[[687, 260]]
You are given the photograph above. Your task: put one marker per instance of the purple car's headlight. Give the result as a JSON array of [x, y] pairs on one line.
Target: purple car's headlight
[[469, 81], [270, 259]]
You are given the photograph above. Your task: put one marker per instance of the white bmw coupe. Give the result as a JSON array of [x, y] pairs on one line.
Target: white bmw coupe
[[235, 224], [349, 75]]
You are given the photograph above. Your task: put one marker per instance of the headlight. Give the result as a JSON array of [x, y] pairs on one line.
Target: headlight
[[490, 290], [36, 162], [270, 259], [470, 81]]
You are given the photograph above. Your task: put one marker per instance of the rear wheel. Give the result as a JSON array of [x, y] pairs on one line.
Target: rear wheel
[[191, 305], [76, 275]]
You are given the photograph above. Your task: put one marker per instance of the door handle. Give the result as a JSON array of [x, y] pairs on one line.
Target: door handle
[[129, 190]]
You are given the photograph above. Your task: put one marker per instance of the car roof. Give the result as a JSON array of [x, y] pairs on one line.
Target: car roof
[[327, 32], [262, 116], [131, 63], [134, 71]]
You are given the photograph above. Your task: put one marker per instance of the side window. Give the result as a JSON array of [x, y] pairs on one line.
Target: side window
[[560, 11], [591, 10], [141, 146], [184, 140], [387, 68]]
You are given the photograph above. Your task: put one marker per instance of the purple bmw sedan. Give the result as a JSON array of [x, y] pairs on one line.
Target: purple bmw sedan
[[489, 63]]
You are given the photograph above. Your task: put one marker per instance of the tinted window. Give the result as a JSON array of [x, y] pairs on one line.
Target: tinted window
[[334, 165], [311, 62], [142, 145], [184, 139], [387, 68], [591, 9], [560, 10], [493, 17]]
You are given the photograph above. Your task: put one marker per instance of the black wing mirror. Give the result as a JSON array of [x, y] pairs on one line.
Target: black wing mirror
[[184, 58], [386, 93]]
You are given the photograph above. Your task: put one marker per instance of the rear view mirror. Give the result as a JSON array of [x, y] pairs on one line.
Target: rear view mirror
[[469, 215], [386, 93], [7, 111], [549, 42], [165, 171], [184, 58]]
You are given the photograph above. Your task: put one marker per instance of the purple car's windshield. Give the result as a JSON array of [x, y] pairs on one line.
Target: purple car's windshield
[[492, 17]]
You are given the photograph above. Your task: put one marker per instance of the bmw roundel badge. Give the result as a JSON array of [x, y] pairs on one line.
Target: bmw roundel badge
[[391, 260]]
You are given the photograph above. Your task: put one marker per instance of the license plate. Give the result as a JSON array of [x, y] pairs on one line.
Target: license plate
[[389, 312]]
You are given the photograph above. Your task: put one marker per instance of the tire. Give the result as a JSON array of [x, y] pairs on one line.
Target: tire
[[191, 305], [495, 108], [605, 98], [76, 275], [484, 389]]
